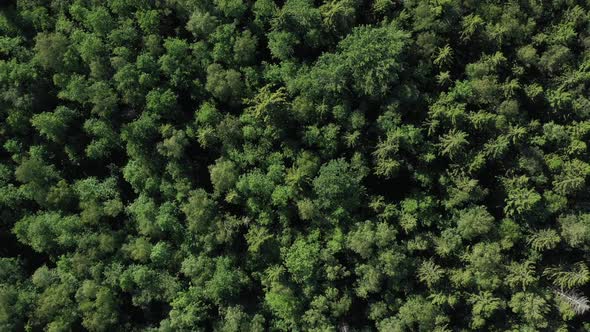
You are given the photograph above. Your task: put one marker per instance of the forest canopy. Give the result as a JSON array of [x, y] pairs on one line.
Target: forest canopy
[[294, 165]]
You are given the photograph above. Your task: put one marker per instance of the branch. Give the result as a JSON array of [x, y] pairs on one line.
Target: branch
[[578, 302]]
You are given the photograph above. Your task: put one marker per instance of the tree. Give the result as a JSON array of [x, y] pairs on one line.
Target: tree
[[281, 44], [48, 232], [302, 258], [521, 275], [453, 143], [37, 177], [282, 301], [245, 48], [408, 317], [484, 306], [368, 61], [199, 211], [51, 49], [474, 222], [106, 139], [572, 178], [178, 63], [53, 125], [575, 230], [188, 310], [339, 15], [578, 303], [568, 278], [98, 199], [336, 187], [225, 85], [98, 306], [532, 307], [231, 8], [225, 283], [224, 175], [430, 273]]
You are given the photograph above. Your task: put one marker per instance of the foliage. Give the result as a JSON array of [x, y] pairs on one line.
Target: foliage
[[296, 165]]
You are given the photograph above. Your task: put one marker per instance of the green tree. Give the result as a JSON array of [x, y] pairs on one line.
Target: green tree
[[226, 85]]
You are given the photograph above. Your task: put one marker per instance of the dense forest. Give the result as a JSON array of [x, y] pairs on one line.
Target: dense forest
[[294, 165]]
